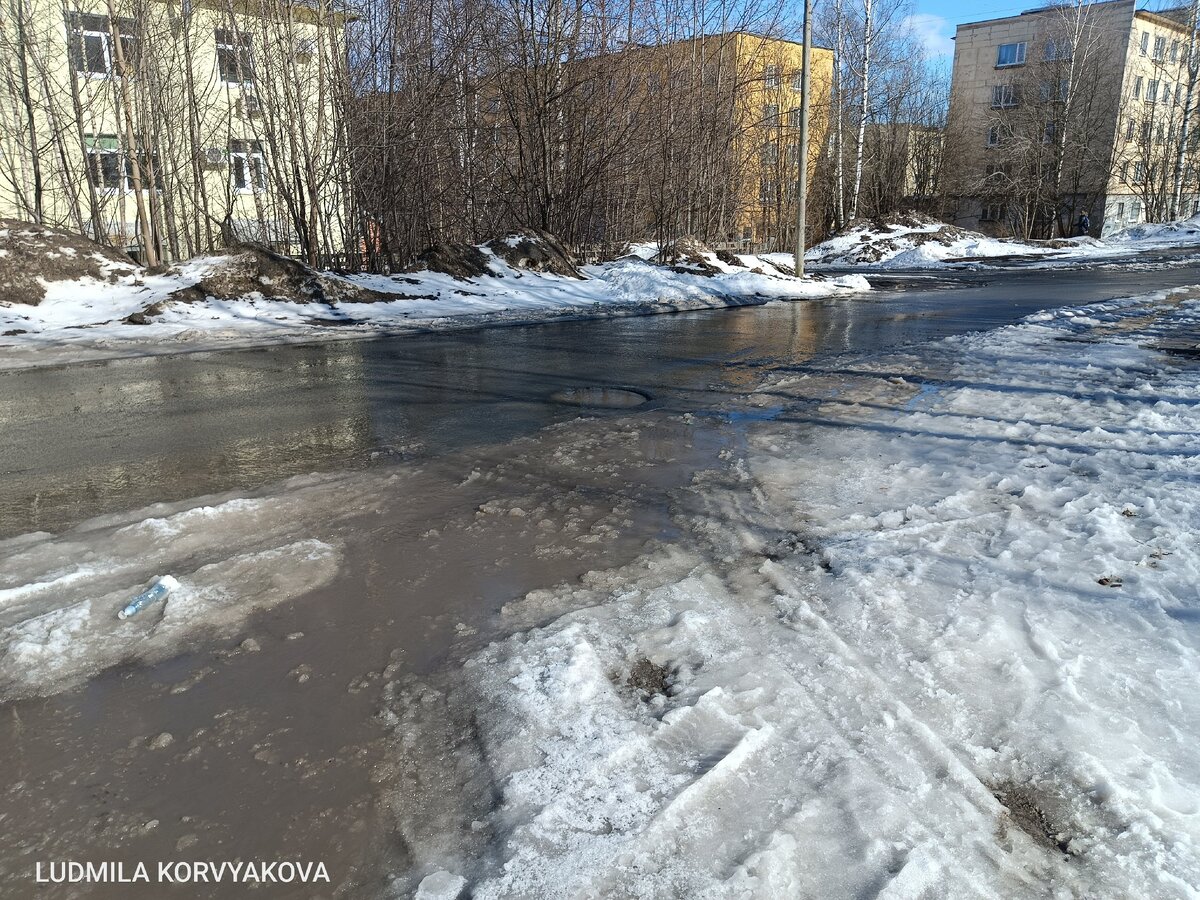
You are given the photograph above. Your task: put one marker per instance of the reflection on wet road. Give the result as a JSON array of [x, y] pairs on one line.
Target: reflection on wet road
[[84, 440]]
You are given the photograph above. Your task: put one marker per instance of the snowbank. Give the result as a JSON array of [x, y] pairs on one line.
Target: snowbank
[[1167, 234], [936, 639], [31, 256], [252, 296], [917, 242], [912, 241]]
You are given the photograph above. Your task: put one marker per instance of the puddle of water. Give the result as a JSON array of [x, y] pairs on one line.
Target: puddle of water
[[273, 746], [613, 398]]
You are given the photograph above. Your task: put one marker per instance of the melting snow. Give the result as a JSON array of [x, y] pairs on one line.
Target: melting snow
[[937, 639]]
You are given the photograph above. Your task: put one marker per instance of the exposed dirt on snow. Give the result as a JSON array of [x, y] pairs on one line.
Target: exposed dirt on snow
[[252, 269], [536, 251], [880, 239], [1024, 808], [31, 255], [533, 250], [649, 677]]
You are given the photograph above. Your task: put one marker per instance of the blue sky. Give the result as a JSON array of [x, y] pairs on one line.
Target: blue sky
[[934, 21]]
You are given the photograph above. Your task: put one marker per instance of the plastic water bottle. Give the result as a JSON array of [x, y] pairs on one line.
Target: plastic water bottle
[[153, 594]]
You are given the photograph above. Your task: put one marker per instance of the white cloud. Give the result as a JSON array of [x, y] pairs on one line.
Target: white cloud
[[933, 33]]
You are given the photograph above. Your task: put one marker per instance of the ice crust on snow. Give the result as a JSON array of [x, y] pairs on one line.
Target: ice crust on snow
[[894, 668], [230, 556]]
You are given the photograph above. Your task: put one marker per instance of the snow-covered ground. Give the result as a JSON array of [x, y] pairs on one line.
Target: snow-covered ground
[[87, 315], [916, 242], [935, 638]]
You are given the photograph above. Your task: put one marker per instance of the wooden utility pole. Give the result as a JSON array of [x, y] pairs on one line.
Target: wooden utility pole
[[802, 173]]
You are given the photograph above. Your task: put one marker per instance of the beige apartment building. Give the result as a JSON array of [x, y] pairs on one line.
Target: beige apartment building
[[1066, 110], [173, 127]]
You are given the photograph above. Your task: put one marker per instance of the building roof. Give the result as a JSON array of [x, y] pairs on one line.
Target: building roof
[[1041, 10]]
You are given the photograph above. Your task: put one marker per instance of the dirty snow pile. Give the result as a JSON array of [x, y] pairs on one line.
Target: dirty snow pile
[[252, 295], [934, 638], [913, 241], [1185, 232]]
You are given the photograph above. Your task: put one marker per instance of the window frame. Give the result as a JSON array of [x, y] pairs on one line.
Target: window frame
[[1019, 54], [82, 27], [241, 46], [1005, 96], [992, 212], [243, 155], [103, 151], [1054, 50]]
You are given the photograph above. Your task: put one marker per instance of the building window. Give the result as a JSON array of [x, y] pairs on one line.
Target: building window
[[1129, 130], [1196, 207], [993, 136], [1152, 91], [1137, 87], [798, 81], [247, 165], [1135, 211], [112, 167], [92, 50], [1058, 49], [767, 191], [1174, 51], [1050, 133], [1160, 47], [1139, 172], [1054, 91], [235, 58], [992, 212], [1144, 47], [1004, 96], [771, 76], [794, 118], [770, 113], [1010, 55], [1120, 210]]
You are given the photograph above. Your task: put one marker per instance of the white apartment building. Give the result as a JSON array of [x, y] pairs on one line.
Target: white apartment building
[[1066, 110]]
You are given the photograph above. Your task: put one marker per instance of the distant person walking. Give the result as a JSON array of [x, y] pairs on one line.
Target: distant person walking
[[1084, 225]]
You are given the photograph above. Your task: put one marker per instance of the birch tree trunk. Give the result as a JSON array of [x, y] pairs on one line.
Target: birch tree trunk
[[839, 152], [865, 108]]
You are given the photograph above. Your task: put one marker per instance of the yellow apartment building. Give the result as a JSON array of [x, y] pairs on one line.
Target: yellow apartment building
[[724, 112], [769, 110]]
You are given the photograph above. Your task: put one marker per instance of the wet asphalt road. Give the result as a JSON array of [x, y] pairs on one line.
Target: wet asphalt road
[[83, 440]]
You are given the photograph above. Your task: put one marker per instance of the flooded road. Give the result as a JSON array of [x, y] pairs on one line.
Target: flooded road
[[478, 467]]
